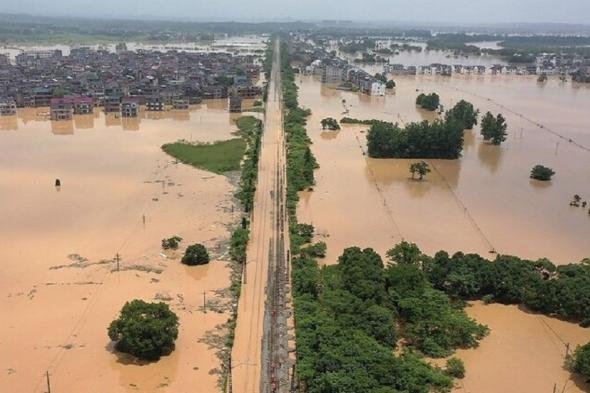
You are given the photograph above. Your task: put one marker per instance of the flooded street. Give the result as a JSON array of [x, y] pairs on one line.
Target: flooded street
[[120, 194], [481, 202]]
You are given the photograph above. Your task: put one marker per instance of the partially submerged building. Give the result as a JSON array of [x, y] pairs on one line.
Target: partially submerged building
[[61, 108], [7, 107], [130, 107]]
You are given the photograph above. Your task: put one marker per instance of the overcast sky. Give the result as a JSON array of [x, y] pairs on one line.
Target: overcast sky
[[450, 11]]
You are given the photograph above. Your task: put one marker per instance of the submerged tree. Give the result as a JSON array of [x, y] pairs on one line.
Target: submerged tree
[[330, 123], [195, 254], [419, 168], [464, 112], [543, 173], [171, 243], [493, 129], [145, 330], [579, 362], [429, 102]]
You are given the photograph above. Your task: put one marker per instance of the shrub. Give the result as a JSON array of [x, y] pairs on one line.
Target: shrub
[[195, 255], [145, 330], [429, 102], [316, 250], [455, 368], [543, 173], [171, 243], [579, 362]]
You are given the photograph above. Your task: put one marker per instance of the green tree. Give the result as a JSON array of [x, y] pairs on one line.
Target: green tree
[[390, 84], [171, 243], [579, 361], [430, 102], [465, 113], [330, 123], [195, 254], [494, 128], [362, 273], [420, 168], [543, 173], [405, 253], [439, 139], [381, 77], [145, 330], [455, 368]]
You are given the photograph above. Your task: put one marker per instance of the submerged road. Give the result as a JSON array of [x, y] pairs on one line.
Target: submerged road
[[260, 348]]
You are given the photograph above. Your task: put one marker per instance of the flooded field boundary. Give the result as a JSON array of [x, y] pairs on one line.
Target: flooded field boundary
[[522, 116]]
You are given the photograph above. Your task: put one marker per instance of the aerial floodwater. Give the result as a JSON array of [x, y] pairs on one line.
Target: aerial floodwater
[[120, 195], [482, 202]]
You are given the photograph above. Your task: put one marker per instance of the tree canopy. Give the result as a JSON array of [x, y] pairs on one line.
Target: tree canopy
[[330, 124], [579, 362], [465, 113], [195, 254], [145, 330], [429, 102], [543, 173], [419, 168], [493, 129], [439, 139]]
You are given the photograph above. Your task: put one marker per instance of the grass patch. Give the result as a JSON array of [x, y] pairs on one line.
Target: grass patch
[[218, 157]]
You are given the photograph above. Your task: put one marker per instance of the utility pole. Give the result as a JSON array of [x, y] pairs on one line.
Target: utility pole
[[117, 259], [567, 349], [204, 302], [48, 384]]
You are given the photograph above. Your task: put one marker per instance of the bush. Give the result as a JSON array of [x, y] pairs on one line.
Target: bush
[[171, 243], [579, 362], [543, 173], [317, 250], [330, 123], [145, 330], [455, 368], [429, 102], [195, 255]]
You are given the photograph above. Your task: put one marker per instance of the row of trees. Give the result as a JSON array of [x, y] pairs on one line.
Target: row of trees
[[301, 162], [540, 285], [439, 139]]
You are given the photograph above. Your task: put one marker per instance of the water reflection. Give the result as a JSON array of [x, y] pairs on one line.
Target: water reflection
[[210, 111], [490, 156], [84, 122], [65, 127], [8, 123]]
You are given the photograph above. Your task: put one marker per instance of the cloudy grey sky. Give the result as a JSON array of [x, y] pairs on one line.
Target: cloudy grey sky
[[450, 11]]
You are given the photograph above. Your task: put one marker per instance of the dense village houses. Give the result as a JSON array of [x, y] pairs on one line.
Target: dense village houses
[[158, 80]]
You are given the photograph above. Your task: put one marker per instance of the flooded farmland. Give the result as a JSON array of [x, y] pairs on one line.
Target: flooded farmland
[[482, 202], [119, 195]]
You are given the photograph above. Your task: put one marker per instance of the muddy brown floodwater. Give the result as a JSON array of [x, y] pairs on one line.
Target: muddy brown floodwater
[[58, 290], [484, 201]]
